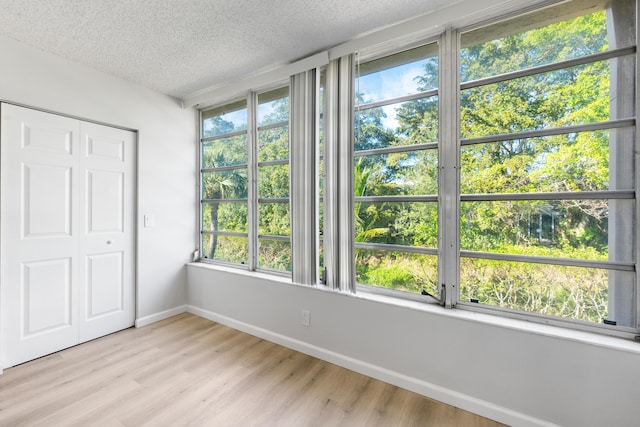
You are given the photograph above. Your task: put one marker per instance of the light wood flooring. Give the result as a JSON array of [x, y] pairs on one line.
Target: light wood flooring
[[190, 371]]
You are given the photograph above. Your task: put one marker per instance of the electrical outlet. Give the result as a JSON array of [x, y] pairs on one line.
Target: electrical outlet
[[305, 319]]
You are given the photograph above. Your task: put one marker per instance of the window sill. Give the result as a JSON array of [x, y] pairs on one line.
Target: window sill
[[242, 272], [553, 331]]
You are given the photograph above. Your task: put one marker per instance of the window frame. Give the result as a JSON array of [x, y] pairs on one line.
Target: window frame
[[626, 122], [366, 57], [334, 202], [253, 199], [200, 187], [450, 143]]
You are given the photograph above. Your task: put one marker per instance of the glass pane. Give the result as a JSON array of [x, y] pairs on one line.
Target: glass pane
[[404, 73], [274, 219], [225, 248], [273, 107], [572, 96], [565, 229], [407, 123], [411, 224], [397, 270], [231, 184], [569, 292], [273, 144], [274, 254], [226, 119], [224, 217], [225, 152], [273, 181], [409, 173], [487, 51], [560, 163]]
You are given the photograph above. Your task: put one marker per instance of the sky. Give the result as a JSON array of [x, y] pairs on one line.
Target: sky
[[378, 86], [390, 83]]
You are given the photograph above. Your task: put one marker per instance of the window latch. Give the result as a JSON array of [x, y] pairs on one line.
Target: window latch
[[433, 297]]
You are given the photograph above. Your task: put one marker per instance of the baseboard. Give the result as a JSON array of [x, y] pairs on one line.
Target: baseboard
[[432, 391], [156, 317]]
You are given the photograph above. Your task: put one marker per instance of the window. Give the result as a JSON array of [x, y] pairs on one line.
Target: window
[[274, 224], [245, 196], [490, 168], [396, 171], [547, 184], [225, 184]]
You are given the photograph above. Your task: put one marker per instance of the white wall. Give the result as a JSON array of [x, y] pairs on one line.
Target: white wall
[[166, 146], [518, 373]]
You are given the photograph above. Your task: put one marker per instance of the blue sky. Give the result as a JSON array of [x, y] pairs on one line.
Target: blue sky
[[390, 83], [378, 86]]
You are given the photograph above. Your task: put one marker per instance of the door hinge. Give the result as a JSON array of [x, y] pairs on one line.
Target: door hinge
[[443, 294]]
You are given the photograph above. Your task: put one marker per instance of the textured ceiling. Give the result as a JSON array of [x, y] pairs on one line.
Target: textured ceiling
[[178, 47]]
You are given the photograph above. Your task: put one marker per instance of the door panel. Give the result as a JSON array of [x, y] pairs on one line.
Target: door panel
[[54, 139], [105, 201], [46, 292], [67, 228], [46, 194], [105, 284], [108, 224], [38, 245], [105, 147]]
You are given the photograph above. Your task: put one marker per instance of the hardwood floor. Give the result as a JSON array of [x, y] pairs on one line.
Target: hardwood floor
[[190, 371]]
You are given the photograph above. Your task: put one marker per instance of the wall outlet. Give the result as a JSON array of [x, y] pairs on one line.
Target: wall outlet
[[305, 319]]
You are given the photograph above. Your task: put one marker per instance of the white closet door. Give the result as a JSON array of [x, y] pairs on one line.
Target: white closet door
[[61, 282], [107, 228]]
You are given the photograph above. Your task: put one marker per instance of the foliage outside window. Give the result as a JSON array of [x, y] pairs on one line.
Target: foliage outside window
[[546, 195], [274, 226], [536, 114], [539, 168], [395, 171], [224, 175], [229, 171]]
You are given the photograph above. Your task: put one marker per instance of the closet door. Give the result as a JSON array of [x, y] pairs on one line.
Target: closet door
[[66, 233], [107, 230]]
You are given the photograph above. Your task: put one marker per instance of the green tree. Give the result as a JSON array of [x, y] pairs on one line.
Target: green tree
[[229, 184]]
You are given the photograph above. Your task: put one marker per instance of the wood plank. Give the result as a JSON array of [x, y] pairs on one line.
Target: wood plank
[[190, 371]]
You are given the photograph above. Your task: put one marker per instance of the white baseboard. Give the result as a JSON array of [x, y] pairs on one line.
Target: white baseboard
[[432, 391], [156, 317]]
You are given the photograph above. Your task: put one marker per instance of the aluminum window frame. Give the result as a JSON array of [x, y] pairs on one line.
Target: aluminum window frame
[[618, 123], [370, 56], [339, 247], [252, 165], [256, 165], [200, 188], [449, 147]]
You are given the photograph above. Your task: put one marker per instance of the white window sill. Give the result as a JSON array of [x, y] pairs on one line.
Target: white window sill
[[559, 332]]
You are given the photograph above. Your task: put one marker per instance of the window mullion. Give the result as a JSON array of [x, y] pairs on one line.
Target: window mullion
[[252, 178], [449, 170]]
